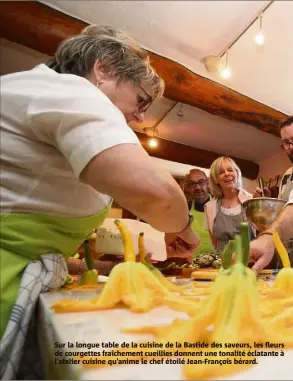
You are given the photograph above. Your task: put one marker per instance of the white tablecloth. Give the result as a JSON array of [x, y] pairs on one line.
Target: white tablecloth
[[92, 327]]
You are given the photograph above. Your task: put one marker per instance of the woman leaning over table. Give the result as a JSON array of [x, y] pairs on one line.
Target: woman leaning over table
[[66, 152], [225, 212]]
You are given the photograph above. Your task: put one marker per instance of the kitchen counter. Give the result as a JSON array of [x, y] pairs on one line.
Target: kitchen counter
[[104, 326]]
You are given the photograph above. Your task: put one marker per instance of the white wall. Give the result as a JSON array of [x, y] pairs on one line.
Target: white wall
[[177, 169], [15, 57], [273, 166]]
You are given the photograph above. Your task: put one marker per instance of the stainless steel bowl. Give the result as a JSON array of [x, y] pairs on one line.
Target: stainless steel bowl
[[262, 212]]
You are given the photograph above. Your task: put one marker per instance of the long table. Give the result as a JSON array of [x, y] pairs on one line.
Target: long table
[[104, 326]]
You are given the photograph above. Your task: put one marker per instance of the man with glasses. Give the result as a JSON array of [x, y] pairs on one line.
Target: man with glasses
[[262, 248], [197, 195], [286, 186]]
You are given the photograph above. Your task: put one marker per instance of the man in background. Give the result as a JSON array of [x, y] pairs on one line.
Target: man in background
[[286, 186], [197, 195], [262, 249]]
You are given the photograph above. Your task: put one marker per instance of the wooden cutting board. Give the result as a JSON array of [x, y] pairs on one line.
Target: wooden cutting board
[[211, 274]]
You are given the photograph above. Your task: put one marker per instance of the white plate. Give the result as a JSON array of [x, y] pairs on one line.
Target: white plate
[[103, 279]]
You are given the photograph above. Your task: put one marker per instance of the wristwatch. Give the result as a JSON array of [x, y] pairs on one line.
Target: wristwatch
[[190, 220]]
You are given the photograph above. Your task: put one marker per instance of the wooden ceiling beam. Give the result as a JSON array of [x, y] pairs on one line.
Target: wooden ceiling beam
[[181, 153], [42, 28]]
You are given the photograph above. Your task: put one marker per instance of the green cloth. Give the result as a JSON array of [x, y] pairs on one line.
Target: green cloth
[[198, 226], [25, 237]]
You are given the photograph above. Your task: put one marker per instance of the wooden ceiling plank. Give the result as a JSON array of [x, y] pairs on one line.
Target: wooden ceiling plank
[[42, 28], [197, 157]]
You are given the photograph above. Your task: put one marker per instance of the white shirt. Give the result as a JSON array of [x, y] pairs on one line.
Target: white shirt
[[52, 125], [290, 201], [286, 179], [235, 211]]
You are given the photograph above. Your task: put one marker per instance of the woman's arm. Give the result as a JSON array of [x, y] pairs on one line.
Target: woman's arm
[[78, 266], [128, 174]]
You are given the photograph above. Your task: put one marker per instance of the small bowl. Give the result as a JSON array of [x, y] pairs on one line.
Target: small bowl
[[261, 212]]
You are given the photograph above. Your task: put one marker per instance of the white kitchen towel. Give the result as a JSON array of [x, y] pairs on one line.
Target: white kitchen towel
[[39, 276]]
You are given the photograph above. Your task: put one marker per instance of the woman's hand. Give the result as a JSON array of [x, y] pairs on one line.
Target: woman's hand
[[257, 192], [261, 252], [105, 267], [182, 245]]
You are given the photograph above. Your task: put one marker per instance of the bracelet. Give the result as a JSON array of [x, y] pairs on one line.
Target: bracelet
[[265, 233], [190, 221]]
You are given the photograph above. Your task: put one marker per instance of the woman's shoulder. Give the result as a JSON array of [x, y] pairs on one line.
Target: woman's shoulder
[[244, 195], [211, 204]]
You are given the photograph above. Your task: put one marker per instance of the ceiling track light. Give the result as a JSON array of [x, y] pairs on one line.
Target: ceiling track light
[[259, 38], [225, 72], [180, 112], [153, 142], [214, 64]]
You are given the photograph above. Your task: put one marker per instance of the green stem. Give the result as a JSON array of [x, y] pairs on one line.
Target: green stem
[[88, 256], [238, 248], [245, 241], [227, 254]]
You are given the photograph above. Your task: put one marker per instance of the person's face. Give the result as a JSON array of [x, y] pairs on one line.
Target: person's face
[[196, 184], [227, 178], [130, 100], [287, 140]]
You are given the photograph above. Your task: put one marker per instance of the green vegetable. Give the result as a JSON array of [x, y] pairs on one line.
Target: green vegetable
[[227, 254], [89, 277], [88, 256], [245, 241], [69, 280]]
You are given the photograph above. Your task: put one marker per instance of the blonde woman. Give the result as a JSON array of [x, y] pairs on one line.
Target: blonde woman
[[225, 212]]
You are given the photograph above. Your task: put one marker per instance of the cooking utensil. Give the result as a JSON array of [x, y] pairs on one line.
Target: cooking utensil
[[261, 212], [261, 185]]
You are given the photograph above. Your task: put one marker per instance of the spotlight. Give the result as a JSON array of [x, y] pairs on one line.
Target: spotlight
[[153, 143]]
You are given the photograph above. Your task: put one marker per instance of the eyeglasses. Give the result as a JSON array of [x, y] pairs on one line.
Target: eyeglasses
[[144, 103], [201, 183], [286, 144]]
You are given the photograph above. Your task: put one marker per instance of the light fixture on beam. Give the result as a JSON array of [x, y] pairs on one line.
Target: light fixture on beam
[[214, 64], [259, 38], [149, 131], [226, 73], [153, 142]]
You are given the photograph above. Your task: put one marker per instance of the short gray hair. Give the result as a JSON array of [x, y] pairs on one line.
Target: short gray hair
[[215, 189], [195, 170], [119, 56]]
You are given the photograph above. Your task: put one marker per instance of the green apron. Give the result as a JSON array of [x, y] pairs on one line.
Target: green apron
[[25, 237], [198, 226]]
